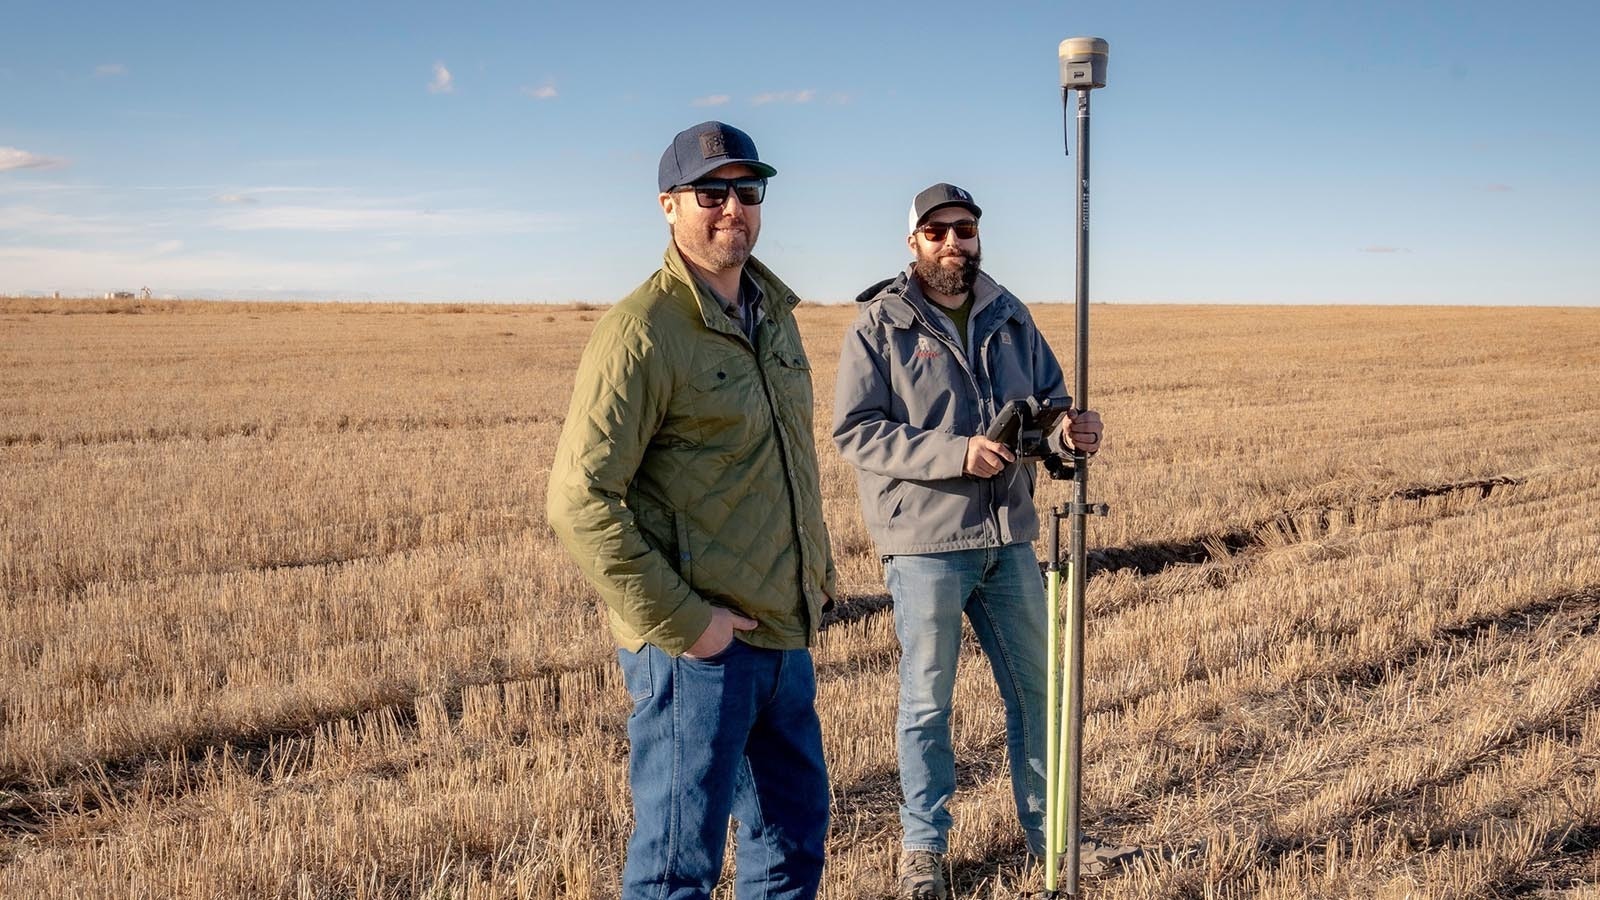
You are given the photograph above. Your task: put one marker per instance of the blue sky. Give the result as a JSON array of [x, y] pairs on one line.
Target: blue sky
[[1242, 152]]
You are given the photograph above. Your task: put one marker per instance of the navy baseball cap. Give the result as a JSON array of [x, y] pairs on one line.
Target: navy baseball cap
[[938, 197], [698, 150]]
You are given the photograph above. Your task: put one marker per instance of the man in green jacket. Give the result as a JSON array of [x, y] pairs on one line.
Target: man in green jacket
[[686, 487]]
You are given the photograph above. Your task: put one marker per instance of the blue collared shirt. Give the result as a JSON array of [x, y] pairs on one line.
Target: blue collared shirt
[[747, 313]]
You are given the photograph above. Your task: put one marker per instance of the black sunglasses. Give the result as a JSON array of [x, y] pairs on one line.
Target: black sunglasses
[[711, 193], [966, 230]]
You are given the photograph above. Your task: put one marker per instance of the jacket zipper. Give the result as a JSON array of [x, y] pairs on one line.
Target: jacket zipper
[[985, 404], [788, 480]]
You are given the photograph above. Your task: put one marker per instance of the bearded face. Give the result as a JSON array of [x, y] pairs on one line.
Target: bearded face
[[949, 267], [717, 239]]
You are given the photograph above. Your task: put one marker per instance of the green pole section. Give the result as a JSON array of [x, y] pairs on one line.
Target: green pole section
[[1052, 809]]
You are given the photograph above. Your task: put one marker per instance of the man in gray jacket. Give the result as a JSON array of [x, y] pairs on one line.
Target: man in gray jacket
[[933, 356]]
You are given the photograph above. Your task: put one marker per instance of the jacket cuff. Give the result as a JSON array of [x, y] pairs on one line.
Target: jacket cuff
[[953, 460], [679, 630]]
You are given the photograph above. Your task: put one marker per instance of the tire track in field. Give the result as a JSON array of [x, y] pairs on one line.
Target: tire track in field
[[1571, 856], [1582, 602], [267, 432], [31, 809], [1572, 615], [1155, 557], [1566, 853], [1578, 612], [1234, 749], [1581, 609], [1562, 724], [75, 585]]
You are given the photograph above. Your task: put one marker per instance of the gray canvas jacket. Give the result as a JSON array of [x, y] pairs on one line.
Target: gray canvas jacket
[[907, 398]]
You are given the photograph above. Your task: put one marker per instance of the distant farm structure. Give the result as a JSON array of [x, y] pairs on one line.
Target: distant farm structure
[[143, 293]]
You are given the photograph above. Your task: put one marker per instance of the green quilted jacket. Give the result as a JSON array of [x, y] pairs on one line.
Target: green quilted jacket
[[686, 476]]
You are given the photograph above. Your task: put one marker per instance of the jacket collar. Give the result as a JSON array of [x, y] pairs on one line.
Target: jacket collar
[[902, 302], [776, 298]]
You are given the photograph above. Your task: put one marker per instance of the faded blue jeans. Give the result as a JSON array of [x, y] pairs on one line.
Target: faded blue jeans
[[1000, 590], [734, 734]]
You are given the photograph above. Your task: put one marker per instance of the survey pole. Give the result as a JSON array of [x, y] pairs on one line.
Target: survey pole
[[1083, 68]]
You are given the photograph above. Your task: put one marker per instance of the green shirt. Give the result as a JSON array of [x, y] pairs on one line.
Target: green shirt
[[958, 317]]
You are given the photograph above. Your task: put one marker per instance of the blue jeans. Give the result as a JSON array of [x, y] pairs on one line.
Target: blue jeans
[[1001, 591], [735, 734]]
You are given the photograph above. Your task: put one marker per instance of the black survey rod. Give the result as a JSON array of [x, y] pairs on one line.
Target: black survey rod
[[1080, 507]]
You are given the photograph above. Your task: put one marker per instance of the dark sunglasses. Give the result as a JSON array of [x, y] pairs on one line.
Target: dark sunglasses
[[711, 193], [966, 230]]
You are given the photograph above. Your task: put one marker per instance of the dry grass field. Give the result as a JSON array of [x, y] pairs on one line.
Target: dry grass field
[[281, 615]]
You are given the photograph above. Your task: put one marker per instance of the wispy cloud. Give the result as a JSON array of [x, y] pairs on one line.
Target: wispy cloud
[[711, 100], [235, 198], [389, 220], [13, 158], [31, 220], [1379, 248], [443, 82], [167, 269], [546, 91], [110, 70], [805, 96], [257, 191], [35, 187]]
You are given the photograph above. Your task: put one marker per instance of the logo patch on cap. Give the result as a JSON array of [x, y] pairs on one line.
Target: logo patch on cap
[[713, 144]]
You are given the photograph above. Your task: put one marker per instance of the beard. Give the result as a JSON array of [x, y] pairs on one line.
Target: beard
[[717, 245], [941, 272]]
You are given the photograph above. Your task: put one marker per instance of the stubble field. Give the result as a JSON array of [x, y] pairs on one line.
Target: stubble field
[[281, 615]]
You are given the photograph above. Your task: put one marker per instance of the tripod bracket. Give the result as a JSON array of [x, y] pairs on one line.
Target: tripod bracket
[[1059, 469]]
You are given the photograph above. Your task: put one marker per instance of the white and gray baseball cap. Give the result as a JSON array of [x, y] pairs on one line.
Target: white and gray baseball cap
[[938, 197]]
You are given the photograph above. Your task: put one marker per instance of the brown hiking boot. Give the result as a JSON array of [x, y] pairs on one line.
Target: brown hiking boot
[[1096, 857], [922, 876]]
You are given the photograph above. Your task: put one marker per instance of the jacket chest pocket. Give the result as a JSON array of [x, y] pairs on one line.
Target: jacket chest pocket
[[722, 406], [790, 375], [929, 383], [1010, 366]]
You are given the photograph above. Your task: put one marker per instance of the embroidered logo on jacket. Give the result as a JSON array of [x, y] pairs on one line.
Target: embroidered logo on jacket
[[927, 349]]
